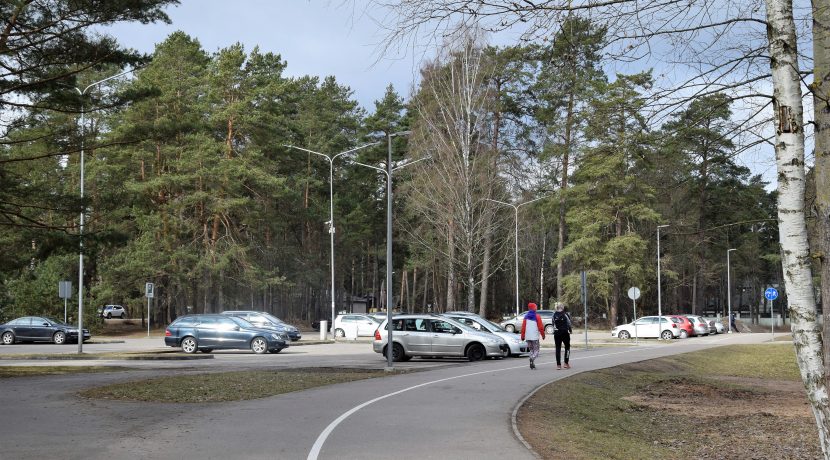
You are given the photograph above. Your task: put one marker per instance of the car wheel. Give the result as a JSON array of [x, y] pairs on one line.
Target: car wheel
[[549, 329], [8, 338], [189, 345], [624, 335], [259, 345], [684, 334], [398, 354], [667, 335], [510, 328], [475, 352], [109, 315], [339, 333], [59, 338]]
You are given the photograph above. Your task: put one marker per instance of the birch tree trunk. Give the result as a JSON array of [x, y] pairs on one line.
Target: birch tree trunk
[[795, 254]]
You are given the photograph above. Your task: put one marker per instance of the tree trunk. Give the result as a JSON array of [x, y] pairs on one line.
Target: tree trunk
[[821, 170], [560, 264], [450, 273], [485, 273], [795, 254], [616, 291]]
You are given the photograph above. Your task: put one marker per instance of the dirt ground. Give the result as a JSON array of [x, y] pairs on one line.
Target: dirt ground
[[662, 413]]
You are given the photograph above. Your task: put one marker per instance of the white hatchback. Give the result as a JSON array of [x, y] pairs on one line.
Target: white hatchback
[[648, 327], [355, 325]]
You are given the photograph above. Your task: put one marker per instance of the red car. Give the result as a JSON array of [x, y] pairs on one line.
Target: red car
[[687, 329]]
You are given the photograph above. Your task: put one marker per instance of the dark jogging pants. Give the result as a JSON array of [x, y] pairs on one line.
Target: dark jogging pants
[[559, 338]]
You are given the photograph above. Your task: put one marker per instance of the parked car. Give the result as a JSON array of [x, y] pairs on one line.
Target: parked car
[[700, 324], [648, 327], [686, 328], [717, 327], [113, 311], [266, 320], [363, 325], [39, 329], [431, 335], [514, 341], [206, 333], [514, 324]]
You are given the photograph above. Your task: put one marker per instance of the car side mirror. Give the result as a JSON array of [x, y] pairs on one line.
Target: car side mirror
[[236, 328], [45, 324], [456, 330]]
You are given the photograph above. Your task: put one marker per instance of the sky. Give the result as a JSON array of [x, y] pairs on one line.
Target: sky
[[315, 37], [322, 38]]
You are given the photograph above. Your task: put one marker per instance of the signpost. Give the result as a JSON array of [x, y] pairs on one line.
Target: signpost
[[634, 294], [148, 292], [64, 292], [771, 294], [585, 304]]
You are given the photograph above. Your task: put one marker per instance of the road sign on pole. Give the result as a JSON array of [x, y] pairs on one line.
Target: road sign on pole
[[771, 294], [149, 289], [634, 294], [64, 292]]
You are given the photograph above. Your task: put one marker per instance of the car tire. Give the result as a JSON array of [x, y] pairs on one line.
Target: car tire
[[339, 333], [624, 335], [109, 315], [259, 345], [510, 328], [8, 338], [684, 334], [398, 353], [549, 329], [59, 338], [189, 345], [666, 335], [475, 352]]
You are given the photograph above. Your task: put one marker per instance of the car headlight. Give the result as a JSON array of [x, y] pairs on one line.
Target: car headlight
[[278, 336], [515, 341]]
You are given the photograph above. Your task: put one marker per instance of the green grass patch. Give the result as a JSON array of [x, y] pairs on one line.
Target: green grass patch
[[680, 406], [227, 386], [28, 371]]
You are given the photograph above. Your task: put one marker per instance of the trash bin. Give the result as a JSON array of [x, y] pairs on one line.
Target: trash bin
[[324, 328]]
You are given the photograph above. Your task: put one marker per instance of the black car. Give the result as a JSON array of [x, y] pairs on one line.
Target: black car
[[206, 333], [39, 329]]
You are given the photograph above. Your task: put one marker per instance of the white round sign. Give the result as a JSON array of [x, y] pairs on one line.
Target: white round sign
[[634, 293]]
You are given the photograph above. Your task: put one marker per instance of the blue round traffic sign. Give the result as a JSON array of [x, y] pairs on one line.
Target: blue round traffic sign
[[771, 293]]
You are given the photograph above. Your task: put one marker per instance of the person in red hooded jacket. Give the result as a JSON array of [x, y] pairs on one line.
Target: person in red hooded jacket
[[532, 333]]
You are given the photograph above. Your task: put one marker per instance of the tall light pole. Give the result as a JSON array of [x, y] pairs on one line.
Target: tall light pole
[[729, 291], [659, 284], [516, 222], [388, 172], [331, 159], [82, 93]]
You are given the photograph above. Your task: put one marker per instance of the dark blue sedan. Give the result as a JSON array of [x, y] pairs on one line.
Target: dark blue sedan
[[39, 329], [206, 333]]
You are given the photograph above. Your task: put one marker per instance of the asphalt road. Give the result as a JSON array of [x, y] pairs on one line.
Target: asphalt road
[[455, 409]]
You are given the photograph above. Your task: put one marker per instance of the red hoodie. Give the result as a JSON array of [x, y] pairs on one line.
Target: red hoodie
[[539, 324]]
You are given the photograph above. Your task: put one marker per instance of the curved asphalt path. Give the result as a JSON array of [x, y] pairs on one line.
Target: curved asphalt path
[[454, 411]]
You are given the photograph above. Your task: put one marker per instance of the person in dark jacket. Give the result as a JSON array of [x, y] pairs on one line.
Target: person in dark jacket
[[562, 330], [732, 324], [532, 331]]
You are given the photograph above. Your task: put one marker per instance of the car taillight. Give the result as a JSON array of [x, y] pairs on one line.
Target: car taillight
[[167, 333], [674, 325], [377, 334]]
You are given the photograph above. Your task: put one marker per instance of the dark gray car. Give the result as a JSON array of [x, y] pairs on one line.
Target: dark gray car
[[206, 333], [266, 321], [39, 329]]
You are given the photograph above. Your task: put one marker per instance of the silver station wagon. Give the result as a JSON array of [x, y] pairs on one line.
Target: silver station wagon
[[434, 336]]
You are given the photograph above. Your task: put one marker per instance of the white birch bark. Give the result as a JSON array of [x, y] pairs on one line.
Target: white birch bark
[[792, 227]]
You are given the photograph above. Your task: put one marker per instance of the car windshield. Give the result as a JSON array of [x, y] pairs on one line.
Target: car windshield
[[495, 326], [50, 320], [377, 320], [272, 318], [241, 322]]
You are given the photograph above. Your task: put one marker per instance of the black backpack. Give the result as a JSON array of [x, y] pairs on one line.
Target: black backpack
[[560, 321]]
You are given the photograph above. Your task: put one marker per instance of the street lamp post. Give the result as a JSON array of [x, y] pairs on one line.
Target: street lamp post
[[82, 93], [729, 291], [659, 284], [388, 172], [516, 229], [331, 159]]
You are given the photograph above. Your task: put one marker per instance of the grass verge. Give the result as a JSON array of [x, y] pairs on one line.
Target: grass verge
[[227, 386], [743, 401], [28, 371]]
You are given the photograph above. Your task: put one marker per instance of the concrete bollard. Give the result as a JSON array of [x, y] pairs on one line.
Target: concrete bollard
[[324, 328]]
